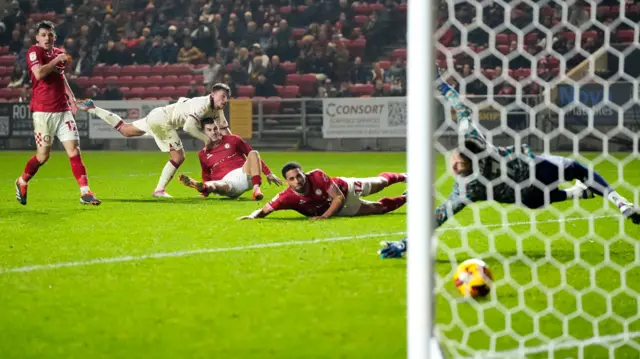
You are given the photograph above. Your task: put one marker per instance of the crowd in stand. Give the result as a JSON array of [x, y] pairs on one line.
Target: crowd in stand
[[240, 42]]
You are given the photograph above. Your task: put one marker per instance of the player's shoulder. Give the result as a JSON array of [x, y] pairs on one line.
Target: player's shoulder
[[318, 175], [35, 48], [202, 153]]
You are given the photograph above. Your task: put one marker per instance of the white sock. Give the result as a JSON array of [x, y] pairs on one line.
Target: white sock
[[84, 190], [615, 198], [256, 186], [167, 174], [574, 192], [21, 181], [108, 117]]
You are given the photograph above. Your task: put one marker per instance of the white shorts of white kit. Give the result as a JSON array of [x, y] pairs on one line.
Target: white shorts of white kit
[[356, 188], [155, 124], [238, 182], [46, 125]]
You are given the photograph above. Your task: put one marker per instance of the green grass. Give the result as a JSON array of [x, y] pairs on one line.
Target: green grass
[[332, 299]]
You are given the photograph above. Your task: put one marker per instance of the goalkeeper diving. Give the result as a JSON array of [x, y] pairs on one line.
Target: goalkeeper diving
[[515, 175]]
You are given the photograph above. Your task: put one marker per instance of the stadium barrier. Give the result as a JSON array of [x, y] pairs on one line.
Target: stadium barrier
[[351, 124]]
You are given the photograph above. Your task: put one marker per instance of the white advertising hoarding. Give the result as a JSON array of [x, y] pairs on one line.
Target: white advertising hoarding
[[128, 110], [364, 117]]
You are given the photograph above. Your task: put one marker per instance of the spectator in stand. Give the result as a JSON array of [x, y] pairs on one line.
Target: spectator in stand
[[108, 54], [379, 89], [83, 64], [377, 73], [193, 90], [18, 76], [257, 70], [275, 73], [112, 92], [345, 89], [25, 97], [123, 55], [189, 54], [259, 53], [70, 47], [344, 26], [21, 59], [320, 64], [154, 55], [398, 71], [358, 75], [94, 93], [578, 15], [212, 73], [397, 89], [170, 51], [265, 36], [238, 74], [264, 88], [252, 36], [15, 45], [283, 42], [243, 58]]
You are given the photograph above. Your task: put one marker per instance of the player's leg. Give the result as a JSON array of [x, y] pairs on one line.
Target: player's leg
[[177, 158], [43, 132], [126, 129], [253, 168], [67, 133], [373, 185], [382, 206]]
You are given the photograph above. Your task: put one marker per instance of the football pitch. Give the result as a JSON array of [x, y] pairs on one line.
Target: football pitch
[[181, 278]]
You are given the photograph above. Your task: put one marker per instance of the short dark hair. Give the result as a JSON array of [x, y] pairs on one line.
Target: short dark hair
[[290, 166], [207, 121], [47, 25], [221, 86]]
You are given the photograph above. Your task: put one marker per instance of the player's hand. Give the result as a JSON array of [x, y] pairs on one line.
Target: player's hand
[[243, 218], [274, 179], [392, 249], [61, 58]]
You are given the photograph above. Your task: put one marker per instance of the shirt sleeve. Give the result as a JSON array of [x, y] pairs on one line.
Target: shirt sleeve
[[206, 171], [463, 112], [320, 180], [35, 57], [281, 201]]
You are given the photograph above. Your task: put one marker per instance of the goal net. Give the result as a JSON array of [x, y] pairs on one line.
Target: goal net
[[562, 77]]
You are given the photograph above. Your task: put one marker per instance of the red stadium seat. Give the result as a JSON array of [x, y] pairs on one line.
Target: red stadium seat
[[385, 64], [126, 92], [113, 70], [285, 10], [256, 101], [291, 91], [358, 90], [125, 81], [387, 88], [143, 70], [5, 70], [531, 38], [4, 50], [4, 81], [361, 19], [182, 90], [150, 98], [155, 79], [624, 36], [308, 85], [166, 98], [503, 49], [589, 34], [130, 70], [356, 47], [401, 53], [289, 67], [362, 9], [402, 7], [247, 91], [502, 39], [614, 11], [271, 106], [7, 60], [376, 7], [298, 33], [158, 70], [294, 79], [99, 69], [167, 91], [84, 82], [200, 89], [603, 11], [138, 91], [569, 35], [153, 91], [135, 99], [548, 11]]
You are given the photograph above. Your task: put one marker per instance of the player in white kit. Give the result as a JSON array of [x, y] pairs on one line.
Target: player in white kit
[[162, 123]]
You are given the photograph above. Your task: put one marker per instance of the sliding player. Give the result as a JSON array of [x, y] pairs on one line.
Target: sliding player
[[162, 123], [53, 106], [479, 158], [230, 167], [314, 194]]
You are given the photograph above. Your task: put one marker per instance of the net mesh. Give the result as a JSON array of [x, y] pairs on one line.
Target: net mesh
[[561, 77]]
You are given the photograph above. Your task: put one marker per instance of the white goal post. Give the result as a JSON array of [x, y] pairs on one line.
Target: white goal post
[[562, 77]]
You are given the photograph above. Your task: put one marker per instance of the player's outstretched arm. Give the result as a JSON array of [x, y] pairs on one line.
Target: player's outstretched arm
[[337, 201], [454, 204], [261, 213], [463, 112]]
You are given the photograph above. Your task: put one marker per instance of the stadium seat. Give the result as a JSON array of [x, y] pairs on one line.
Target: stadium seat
[[166, 98], [99, 69], [4, 50], [603, 11], [531, 38], [291, 91], [4, 81], [153, 91], [294, 79], [167, 91], [362, 9], [138, 91], [256, 101], [504, 49], [548, 11], [298, 33], [289, 67], [614, 11], [5, 71], [135, 99], [376, 7], [569, 35], [356, 47], [124, 81], [126, 92], [98, 81], [589, 34], [113, 70], [271, 106], [150, 98], [130, 70], [387, 88], [155, 79], [170, 80], [361, 19], [502, 39], [7, 60], [385, 65], [401, 53], [358, 90], [308, 85], [83, 82], [285, 10], [246, 91], [624, 36]]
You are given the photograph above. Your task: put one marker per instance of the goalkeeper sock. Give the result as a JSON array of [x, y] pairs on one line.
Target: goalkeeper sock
[[108, 117], [393, 178], [167, 174], [615, 198]]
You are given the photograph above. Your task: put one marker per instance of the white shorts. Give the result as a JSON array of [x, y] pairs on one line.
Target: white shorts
[[155, 125], [356, 188], [49, 124], [238, 181]]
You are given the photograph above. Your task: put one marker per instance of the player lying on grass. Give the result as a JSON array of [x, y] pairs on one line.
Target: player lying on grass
[[53, 106], [314, 194], [534, 175], [162, 123], [230, 167]]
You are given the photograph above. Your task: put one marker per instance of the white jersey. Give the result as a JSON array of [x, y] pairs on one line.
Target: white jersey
[[199, 108]]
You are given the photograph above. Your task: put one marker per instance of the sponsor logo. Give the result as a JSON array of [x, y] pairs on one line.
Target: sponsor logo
[[354, 109]]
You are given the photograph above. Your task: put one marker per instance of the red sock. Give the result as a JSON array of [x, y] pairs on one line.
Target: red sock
[[391, 204], [393, 177], [31, 168], [256, 180], [79, 171]]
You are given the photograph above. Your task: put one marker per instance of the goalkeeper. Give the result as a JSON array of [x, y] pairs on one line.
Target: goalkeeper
[[509, 175]]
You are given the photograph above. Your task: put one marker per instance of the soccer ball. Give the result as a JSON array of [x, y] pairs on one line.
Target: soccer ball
[[474, 278]]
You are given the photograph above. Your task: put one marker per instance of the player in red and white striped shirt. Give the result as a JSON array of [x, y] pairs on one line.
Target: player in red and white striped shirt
[[53, 106]]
